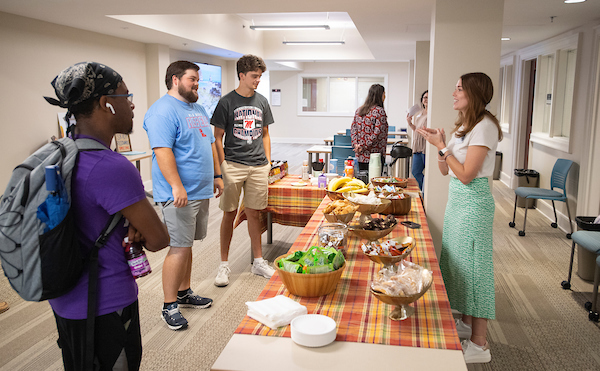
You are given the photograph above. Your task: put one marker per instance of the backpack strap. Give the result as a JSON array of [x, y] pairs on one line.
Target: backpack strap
[[93, 288]]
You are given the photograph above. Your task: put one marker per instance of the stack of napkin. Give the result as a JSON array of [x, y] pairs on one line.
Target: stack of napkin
[[275, 312]]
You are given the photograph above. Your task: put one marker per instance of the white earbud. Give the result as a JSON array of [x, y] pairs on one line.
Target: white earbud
[[111, 108]]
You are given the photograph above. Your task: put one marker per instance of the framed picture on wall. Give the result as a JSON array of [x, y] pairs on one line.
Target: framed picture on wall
[[123, 143]]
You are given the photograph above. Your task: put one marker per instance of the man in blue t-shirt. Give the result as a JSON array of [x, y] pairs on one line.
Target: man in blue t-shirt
[[185, 174], [104, 183]]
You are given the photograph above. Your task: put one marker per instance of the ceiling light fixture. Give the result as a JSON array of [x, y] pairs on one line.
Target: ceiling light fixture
[[290, 27], [314, 42], [505, 38], [573, 1]]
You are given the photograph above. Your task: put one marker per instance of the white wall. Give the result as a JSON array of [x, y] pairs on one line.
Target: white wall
[[33, 52], [292, 128]]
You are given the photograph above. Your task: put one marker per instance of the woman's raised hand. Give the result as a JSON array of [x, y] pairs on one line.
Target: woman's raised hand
[[436, 137]]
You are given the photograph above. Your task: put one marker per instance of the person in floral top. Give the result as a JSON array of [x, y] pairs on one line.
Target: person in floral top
[[370, 127]]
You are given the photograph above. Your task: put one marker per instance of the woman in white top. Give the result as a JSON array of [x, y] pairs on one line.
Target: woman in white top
[[467, 244], [419, 143]]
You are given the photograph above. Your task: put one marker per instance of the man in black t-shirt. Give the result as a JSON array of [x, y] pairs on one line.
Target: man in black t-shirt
[[243, 116]]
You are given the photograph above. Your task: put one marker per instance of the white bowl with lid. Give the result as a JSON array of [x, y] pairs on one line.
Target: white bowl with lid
[[313, 330]]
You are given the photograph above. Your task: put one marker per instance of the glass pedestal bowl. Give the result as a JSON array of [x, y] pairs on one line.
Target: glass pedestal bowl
[[389, 262], [403, 309]]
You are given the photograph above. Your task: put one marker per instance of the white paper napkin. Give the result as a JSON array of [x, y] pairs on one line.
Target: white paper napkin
[[275, 312]]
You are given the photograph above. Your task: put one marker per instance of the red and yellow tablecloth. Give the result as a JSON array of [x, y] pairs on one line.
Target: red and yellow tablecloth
[[288, 204], [359, 315]]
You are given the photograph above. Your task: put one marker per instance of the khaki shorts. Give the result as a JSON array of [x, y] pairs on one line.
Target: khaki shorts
[[254, 180], [186, 224]]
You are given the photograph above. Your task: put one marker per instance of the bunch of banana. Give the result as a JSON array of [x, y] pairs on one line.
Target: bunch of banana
[[346, 184]]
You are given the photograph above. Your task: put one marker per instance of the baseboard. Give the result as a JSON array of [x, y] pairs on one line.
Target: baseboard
[[545, 208], [505, 178], [297, 140]]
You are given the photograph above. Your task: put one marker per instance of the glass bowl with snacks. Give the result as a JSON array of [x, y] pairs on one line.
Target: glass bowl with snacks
[[372, 229], [389, 253], [340, 211], [401, 288]]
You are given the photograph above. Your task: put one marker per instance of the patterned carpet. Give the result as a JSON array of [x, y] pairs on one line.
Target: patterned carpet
[[539, 325]]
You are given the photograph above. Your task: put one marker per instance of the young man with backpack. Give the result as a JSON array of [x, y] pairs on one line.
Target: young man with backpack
[[104, 183]]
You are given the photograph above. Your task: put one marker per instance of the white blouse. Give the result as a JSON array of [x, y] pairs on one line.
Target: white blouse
[[485, 133]]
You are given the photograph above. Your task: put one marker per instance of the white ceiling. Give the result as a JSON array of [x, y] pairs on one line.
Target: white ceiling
[[376, 30]]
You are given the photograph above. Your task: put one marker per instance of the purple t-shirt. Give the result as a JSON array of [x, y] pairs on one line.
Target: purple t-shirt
[[104, 183]]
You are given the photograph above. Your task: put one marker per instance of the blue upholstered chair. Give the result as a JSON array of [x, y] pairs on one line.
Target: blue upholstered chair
[[342, 140], [589, 240], [558, 181], [341, 153]]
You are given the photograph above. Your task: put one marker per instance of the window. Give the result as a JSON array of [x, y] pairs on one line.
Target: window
[[334, 95], [505, 90]]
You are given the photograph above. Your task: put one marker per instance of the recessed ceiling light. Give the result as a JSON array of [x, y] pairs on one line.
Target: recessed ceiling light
[[314, 42], [505, 39], [573, 1], [291, 27]]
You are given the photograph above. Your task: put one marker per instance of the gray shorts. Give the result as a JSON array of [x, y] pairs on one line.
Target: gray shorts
[[186, 224]]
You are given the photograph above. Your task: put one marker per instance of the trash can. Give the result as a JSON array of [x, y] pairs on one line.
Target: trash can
[[586, 261], [498, 166], [527, 178], [400, 165]]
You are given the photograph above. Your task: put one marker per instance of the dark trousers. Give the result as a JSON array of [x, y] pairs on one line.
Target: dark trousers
[[114, 333]]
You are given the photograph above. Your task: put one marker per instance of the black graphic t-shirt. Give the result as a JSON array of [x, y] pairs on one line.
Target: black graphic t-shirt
[[243, 119]]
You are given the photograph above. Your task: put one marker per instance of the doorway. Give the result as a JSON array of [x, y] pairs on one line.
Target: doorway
[[530, 68]]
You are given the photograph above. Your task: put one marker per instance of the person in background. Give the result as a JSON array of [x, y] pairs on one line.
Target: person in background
[[418, 144], [185, 174], [466, 258], [243, 117], [104, 183], [369, 129]]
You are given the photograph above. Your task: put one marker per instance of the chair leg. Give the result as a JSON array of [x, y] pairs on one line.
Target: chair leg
[[555, 224], [512, 224], [522, 233], [570, 223], [594, 316], [567, 284]]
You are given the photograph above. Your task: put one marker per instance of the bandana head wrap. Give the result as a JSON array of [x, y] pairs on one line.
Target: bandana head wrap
[[81, 82]]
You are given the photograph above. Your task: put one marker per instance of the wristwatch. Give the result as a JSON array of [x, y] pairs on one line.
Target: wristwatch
[[219, 176], [443, 151]]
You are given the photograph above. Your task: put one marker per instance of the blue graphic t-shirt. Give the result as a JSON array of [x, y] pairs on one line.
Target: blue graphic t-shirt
[[185, 128], [243, 119]]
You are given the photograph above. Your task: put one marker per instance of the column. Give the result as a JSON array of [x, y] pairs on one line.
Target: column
[[465, 37]]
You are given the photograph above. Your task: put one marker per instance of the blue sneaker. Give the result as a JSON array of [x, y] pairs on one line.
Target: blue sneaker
[[173, 318], [191, 300]]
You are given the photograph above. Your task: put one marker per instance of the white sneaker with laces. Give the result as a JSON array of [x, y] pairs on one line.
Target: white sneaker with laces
[[262, 269], [222, 278], [474, 353], [464, 330]]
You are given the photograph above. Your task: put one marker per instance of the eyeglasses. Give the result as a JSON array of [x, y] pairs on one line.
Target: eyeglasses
[[129, 96]]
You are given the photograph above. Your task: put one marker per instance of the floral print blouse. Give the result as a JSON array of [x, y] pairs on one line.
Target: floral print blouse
[[370, 132]]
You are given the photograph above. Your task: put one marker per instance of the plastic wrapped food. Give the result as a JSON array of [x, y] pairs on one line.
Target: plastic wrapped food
[[315, 260], [411, 279], [386, 248]]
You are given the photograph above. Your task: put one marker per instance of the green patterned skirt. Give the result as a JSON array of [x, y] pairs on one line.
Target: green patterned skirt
[[467, 246]]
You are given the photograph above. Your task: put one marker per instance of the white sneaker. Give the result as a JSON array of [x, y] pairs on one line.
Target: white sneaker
[[464, 330], [473, 353], [262, 269], [222, 278]]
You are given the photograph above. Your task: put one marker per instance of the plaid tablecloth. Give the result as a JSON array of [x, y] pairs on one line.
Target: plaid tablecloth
[[359, 315], [288, 205]]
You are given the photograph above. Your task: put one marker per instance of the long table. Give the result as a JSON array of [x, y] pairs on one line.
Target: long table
[[365, 334]]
